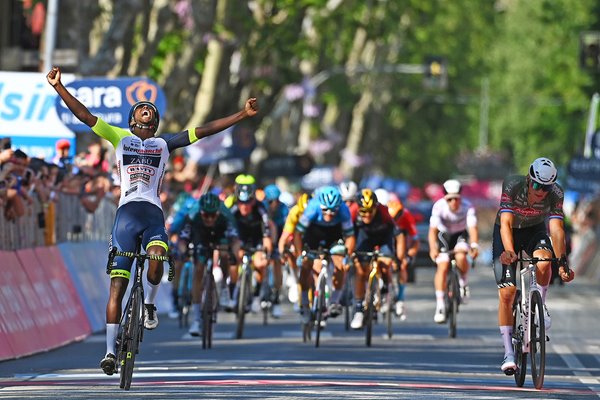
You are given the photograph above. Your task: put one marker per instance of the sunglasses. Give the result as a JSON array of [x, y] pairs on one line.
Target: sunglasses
[[208, 215], [539, 186], [329, 211], [449, 199], [366, 213]]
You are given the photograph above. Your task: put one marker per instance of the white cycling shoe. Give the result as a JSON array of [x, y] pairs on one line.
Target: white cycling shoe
[[357, 321]]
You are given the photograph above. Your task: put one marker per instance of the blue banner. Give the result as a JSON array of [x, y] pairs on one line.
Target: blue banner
[[110, 99]]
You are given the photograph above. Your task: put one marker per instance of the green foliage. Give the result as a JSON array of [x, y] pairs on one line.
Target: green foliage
[[171, 43]]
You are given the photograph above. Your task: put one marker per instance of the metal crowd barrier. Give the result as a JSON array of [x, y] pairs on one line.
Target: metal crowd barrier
[[64, 221]]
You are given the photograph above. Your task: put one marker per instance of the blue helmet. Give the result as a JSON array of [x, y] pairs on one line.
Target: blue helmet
[[272, 192], [330, 197]]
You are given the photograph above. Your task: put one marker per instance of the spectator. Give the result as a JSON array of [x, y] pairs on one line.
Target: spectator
[[63, 157]]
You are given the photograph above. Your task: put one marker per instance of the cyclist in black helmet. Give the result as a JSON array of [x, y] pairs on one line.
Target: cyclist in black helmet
[[209, 227]]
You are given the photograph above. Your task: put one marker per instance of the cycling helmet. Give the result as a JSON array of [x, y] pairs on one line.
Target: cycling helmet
[[452, 187], [302, 202], [367, 200], [153, 124], [542, 171], [348, 190], [272, 193], [209, 203], [243, 179], [383, 196], [245, 193], [330, 198]]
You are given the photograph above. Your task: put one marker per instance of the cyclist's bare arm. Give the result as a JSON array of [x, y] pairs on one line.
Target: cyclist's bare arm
[[557, 235], [433, 244], [506, 222], [474, 238], [216, 126], [401, 246], [76, 107]]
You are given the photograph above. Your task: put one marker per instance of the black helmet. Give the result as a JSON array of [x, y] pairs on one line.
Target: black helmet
[[153, 125], [209, 203]]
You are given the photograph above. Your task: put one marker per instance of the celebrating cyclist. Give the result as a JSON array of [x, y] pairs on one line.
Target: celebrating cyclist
[[373, 228], [527, 202], [141, 161], [325, 221], [255, 228], [208, 229], [452, 225]]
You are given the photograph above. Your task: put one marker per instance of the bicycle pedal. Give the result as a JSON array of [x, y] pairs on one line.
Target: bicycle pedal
[[510, 372], [547, 338]]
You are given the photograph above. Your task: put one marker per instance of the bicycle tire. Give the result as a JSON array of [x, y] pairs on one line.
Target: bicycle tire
[[453, 293], [372, 290], [388, 315], [242, 301], [347, 301], [208, 306], [520, 356], [132, 335], [537, 343], [319, 310], [185, 298]]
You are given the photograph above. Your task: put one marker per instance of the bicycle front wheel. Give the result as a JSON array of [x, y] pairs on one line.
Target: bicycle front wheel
[[520, 356], [208, 310], [370, 310], [453, 293], [130, 339], [537, 344], [320, 309], [243, 293]]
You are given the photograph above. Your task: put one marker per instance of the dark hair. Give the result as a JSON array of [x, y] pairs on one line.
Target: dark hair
[[6, 143], [19, 154]]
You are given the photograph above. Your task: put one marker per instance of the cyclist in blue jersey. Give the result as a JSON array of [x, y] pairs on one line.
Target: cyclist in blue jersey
[[278, 213], [325, 221], [141, 163]]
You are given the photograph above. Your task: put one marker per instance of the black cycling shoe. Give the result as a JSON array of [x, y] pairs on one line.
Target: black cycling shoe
[[109, 364]]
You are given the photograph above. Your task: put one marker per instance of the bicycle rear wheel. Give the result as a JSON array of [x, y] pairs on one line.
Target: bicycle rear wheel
[[130, 339], [453, 293], [388, 315], [537, 343], [242, 302], [370, 311], [209, 301], [347, 302], [319, 310], [520, 356]]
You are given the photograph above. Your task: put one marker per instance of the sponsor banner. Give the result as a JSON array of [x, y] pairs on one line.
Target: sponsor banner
[[110, 99], [51, 308], [86, 263], [19, 319], [68, 299]]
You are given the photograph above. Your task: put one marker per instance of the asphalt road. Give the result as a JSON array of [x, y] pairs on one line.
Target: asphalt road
[[420, 361]]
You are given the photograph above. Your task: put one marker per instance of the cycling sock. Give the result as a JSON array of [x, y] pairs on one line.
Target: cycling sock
[[359, 305], [400, 296], [111, 336], [336, 296], [543, 289], [506, 332], [304, 298], [439, 296], [152, 292], [195, 309]]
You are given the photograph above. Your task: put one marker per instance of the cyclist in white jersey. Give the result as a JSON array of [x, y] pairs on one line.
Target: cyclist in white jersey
[[453, 222], [141, 162]]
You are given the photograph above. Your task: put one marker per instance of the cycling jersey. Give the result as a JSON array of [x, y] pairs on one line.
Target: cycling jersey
[[292, 220], [514, 200], [448, 221], [406, 222], [316, 231], [221, 232], [381, 232], [278, 216], [141, 164], [254, 226]]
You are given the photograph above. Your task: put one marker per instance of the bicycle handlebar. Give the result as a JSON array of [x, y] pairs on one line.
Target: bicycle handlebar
[[535, 260], [142, 257]]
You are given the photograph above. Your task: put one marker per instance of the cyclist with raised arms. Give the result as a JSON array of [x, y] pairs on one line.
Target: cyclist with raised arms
[[325, 221], [206, 229], [452, 225], [255, 227], [373, 228], [527, 202], [141, 163]]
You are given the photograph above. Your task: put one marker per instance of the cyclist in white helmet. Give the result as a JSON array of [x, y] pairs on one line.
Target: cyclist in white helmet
[[527, 202], [452, 226], [348, 190]]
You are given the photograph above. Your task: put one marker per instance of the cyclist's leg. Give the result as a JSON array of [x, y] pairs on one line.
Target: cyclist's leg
[[200, 257], [461, 250], [540, 246], [439, 283], [361, 275]]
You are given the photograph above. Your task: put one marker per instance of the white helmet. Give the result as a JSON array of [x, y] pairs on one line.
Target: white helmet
[[348, 190], [542, 171], [452, 186], [383, 196]]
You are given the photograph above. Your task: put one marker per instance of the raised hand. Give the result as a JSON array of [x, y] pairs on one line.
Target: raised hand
[[53, 76], [251, 107]]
